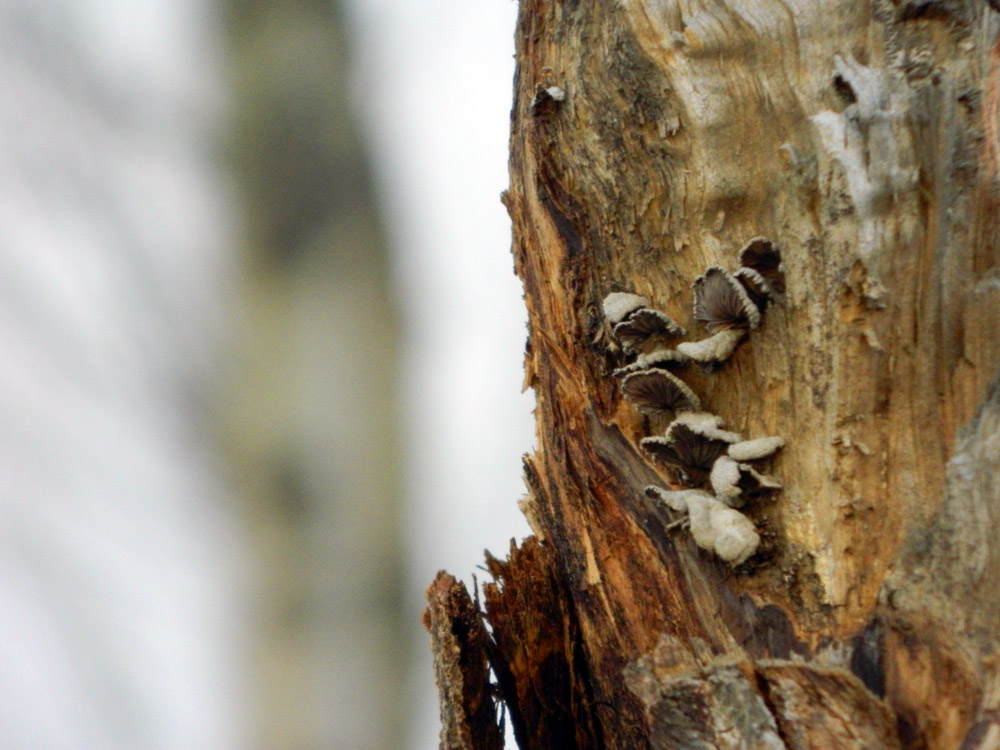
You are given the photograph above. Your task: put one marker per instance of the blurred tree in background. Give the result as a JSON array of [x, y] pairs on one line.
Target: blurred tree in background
[[312, 416]]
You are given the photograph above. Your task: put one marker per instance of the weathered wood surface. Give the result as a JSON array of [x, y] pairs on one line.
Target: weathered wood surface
[[862, 138], [461, 667]]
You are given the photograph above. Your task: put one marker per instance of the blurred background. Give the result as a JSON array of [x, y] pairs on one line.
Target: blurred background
[[261, 363]]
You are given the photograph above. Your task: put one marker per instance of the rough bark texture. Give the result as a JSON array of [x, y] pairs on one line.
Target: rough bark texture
[[862, 138], [461, 667]]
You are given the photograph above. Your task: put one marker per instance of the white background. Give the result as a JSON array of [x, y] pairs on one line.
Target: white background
[[435, 86]]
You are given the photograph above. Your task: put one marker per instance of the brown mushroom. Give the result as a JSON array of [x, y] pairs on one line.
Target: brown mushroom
[[691, 452], [663, 359], [756, 287], [764, 257], [721, 303], [646, 325], [659, 393]]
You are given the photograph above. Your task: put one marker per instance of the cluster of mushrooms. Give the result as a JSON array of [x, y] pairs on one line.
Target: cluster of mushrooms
[[698, 452]]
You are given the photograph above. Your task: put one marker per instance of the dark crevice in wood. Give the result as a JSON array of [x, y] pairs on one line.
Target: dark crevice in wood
[[554, 198], [544, 678], [764, 690], [764, 632], [867, 649]]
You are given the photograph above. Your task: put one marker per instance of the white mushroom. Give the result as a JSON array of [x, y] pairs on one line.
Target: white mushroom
[[733, 482], [725, 481], [723, 530], [662, 358], [753, 450], [618, 306], [673, 499], [702, 420], [714, 349], [714, 527], [708, 425]]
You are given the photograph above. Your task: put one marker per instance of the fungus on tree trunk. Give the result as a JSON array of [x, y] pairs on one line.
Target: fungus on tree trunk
[[860, 137]]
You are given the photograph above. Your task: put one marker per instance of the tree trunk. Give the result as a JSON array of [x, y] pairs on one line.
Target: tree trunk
[[651, 139]]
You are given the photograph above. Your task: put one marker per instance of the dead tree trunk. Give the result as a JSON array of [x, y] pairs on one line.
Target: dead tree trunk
[[653, 138]]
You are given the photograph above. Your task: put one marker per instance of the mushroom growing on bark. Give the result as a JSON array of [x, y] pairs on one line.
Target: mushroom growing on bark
[[764, 258], [659, 393], [663, 359], [691, 446], [715, 349], [619, 305], [721, 302], [753, 450], [644, 327], [714, 526], [733, 482]]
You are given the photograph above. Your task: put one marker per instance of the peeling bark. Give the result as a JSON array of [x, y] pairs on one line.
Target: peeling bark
[[860, 137]]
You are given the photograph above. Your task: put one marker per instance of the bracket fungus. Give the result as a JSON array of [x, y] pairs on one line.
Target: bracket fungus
[[690, 446], [619, 305], [695, 448], [754, 450], [764, 258], [659, 393], [714, 526], [729, 305], [725, 480], [754, 484], [637, 326], [645, 326], [658, 358], [733, 482], [675, 500], [756, 287], [709, 426], [716, 348], [721, 302], [546, 98]]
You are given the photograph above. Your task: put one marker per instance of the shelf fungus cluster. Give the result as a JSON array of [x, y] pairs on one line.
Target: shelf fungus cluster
[[714, 465]]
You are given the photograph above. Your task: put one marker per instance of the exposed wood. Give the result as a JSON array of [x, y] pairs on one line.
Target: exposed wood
[[538, 655], [860, 137], [468, 712]]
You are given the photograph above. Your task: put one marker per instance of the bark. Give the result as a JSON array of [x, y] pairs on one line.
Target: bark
[[461, 665], [653, 138]]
